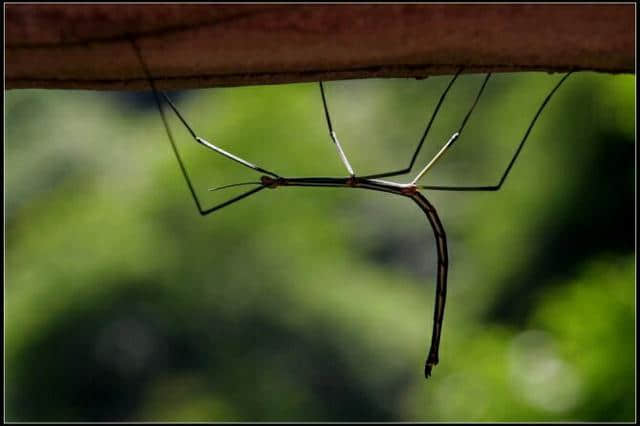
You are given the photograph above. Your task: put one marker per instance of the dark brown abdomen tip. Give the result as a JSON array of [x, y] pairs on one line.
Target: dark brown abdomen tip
[[427, 371]]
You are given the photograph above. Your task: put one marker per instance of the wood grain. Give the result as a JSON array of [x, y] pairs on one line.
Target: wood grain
[[87, 46]]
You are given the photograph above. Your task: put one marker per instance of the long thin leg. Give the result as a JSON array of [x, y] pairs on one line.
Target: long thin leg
[[209, 145], [174, 147], [515, 156], [455, 136], [424, 135], [202, 211], [333, 135]]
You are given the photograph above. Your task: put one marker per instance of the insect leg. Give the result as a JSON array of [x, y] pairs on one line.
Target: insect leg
[[424, 135], [215, 148], [455, 136], [174, 147], [333, 135], [515, 156]]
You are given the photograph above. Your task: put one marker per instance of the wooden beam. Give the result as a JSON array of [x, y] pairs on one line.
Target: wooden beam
[[87, 46]]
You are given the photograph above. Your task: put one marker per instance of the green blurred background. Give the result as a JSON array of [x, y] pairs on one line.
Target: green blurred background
[[121, 302]]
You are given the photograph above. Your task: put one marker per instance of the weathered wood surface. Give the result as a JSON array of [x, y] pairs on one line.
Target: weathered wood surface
[[88, 46]]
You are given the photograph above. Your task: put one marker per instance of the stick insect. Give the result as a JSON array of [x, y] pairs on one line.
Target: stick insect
[[374, 182]]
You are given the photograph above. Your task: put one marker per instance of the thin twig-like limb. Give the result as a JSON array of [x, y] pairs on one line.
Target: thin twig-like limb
[[455, 136], [209, 145], [424, 135], [475, 102], [436, 157], [515, 156], [333, 135], [231, 201], [174, 147]]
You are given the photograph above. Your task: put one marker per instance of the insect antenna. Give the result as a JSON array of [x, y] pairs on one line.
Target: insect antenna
[[217, 188]]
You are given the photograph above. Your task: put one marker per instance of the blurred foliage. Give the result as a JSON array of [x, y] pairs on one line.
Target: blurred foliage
[[122, 303]]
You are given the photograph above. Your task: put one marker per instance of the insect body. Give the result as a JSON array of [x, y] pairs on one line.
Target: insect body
[[407, 190], [372, 182]]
